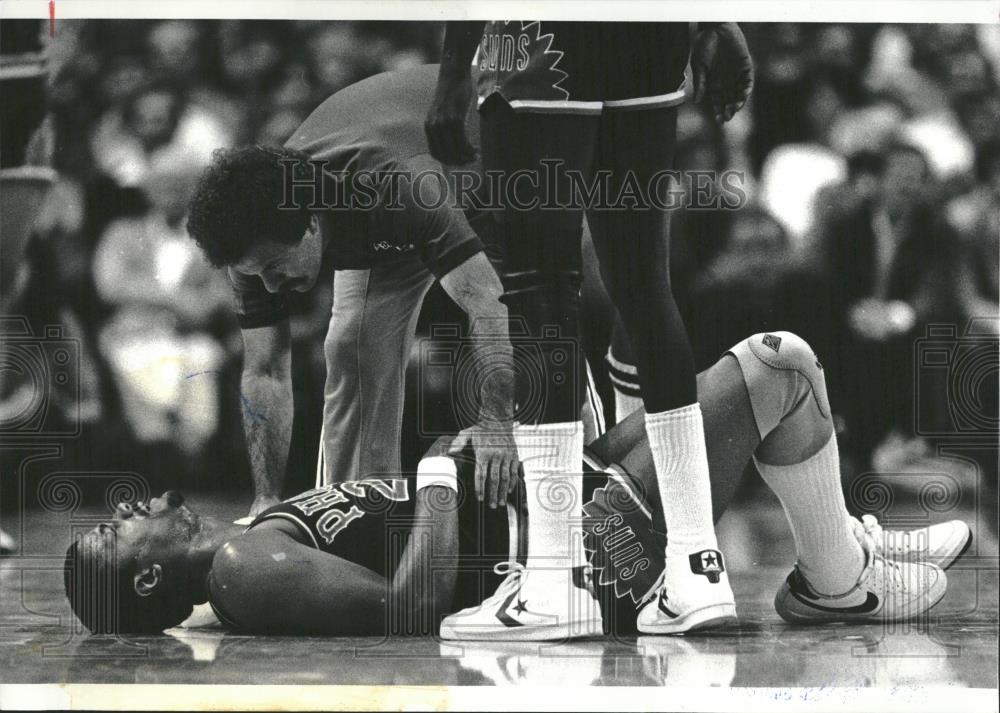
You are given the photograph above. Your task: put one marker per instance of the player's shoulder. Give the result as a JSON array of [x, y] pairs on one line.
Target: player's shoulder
[[415, 79], [242, 553]]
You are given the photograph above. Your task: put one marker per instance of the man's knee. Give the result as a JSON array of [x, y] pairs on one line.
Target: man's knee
[[342, 345], [784, 378]]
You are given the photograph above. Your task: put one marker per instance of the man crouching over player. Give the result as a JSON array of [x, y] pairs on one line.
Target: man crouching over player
[[374, 556]]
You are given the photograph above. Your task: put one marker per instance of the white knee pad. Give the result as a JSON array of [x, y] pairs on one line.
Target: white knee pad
[[783, 378]]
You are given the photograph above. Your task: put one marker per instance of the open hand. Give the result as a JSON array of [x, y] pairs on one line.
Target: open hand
[[497, 464]]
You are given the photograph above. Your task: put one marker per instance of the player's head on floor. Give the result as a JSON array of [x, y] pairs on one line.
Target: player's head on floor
[[250, 211], [142, 572]]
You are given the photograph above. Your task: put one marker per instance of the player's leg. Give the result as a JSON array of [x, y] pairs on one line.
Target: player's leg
[[633, 246], [840, 574], [624, 376], [730, 434], [542, 275], [367, 347], [626, 532], [766, 400]]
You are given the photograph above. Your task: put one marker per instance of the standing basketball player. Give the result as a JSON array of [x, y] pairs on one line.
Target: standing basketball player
[[596, 97]]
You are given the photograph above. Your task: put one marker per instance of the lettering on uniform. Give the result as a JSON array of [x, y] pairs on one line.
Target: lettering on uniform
[[394, 489], [618, 550], [319, 499], [505, 52], [623, 547], [332, 522]]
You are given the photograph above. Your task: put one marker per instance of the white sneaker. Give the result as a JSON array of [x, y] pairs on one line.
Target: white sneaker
[[940, 544], [531, 605], [886, 591], [690, 595]]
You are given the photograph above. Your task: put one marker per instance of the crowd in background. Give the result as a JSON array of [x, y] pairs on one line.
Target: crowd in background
[[869, 154]]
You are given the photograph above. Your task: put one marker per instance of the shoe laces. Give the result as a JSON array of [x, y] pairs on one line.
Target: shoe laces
[[892, 542], [870, 536], [893, 574], [514, 572], [868, 528]]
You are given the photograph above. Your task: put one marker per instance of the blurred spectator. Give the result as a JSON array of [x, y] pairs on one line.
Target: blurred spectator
[[154, 125], [782, 78], [794, 173], [175, 50], [334, 54], [162, 339], [890, 263], [975, 216]]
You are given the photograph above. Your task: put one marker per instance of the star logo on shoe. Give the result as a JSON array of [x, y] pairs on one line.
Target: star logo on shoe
[[772, 342], [513, 614], [708, 563]]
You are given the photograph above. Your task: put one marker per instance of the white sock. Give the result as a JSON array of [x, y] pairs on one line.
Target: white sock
[[810, 492], [551, 455], [677, 440]]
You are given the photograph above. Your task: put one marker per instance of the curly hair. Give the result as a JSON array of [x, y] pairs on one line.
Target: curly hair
[[100, 589], [240, 199]]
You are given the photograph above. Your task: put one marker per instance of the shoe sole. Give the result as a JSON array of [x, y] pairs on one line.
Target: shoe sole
[[704, 619], [803, 618], [558, 632]]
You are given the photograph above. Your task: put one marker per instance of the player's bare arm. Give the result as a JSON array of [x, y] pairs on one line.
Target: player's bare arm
[[424, 583], [722, 68], [333, 595], [445, 125], [267, 405], [268, 564], [476, 288]]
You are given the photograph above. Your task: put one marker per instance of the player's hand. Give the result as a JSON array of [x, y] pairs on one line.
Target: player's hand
[[445, 124], [497, 465], [722, 69], [262, 503]]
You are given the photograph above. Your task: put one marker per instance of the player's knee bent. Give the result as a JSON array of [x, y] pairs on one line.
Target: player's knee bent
[[341, 348], [785, 382]]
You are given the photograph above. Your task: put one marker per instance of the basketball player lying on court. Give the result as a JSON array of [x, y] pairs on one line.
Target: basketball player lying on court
[[374, 556]]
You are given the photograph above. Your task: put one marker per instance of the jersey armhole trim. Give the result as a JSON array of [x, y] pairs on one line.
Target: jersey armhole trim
[[291, 518]]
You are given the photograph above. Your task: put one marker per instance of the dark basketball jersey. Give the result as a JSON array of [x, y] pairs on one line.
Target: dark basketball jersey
[[583, 67], [364, 521]]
